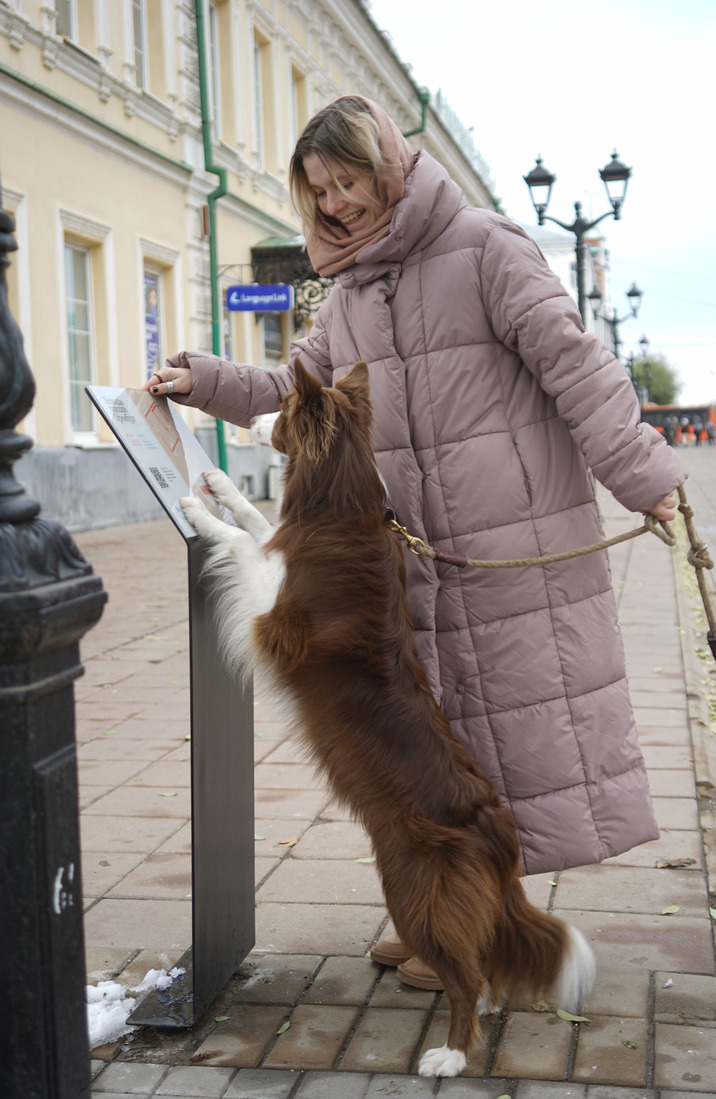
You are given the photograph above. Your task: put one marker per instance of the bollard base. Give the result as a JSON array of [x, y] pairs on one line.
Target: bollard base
[[172, 1006]]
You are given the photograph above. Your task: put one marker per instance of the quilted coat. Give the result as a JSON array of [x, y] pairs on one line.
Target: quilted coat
[[493, 408]]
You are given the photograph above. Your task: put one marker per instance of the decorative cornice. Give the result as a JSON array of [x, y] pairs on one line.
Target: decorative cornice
[[89, 70], [52, 108]]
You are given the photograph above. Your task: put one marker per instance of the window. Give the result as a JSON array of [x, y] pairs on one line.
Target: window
[[153, 320], [79, 334], [258, 102], [159, 281], [66, 18], [273, 339], [297, 105], [214, 67], [140, 42]]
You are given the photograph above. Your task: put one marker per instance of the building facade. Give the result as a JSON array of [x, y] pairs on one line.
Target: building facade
[[105, 166]]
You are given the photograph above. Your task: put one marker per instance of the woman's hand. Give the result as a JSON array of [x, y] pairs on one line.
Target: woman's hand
[[168, 380], [665, 510]]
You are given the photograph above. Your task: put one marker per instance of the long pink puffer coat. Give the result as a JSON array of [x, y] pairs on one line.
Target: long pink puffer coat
[[491, 406]]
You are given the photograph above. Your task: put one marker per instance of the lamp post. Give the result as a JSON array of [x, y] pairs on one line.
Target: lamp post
[[634, 295], [615, 177]]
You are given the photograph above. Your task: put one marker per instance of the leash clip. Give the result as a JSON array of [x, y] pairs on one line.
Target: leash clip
[[413, 541]]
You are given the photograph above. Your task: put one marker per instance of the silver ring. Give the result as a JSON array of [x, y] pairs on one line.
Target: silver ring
[[170, 387]]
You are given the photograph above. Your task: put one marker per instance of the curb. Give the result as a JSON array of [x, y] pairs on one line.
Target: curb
[[702, 725]]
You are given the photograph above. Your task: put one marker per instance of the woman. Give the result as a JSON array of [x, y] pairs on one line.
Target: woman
[[491, 407]]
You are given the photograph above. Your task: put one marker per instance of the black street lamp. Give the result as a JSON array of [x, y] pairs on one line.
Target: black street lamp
[[634, 294], [615, 177]]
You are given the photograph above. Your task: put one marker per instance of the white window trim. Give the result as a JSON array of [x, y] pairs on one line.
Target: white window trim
[[91, 233], [214, 66], [257, 101]]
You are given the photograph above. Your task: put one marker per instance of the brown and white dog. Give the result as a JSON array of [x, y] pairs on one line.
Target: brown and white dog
[[320, 602]]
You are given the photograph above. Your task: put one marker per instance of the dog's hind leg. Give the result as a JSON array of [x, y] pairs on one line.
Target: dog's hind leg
[[246, 515], [463, 990]]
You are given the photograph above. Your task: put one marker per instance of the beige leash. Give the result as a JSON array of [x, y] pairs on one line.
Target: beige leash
[[698, 555]]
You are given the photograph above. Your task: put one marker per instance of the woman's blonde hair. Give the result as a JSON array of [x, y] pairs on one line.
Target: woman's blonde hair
[[345, 132]]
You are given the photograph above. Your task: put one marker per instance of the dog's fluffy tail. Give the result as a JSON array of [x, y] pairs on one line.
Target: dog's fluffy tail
[[537, 954]]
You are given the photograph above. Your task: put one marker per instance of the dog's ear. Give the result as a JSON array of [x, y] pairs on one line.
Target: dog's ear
[[356, 386], [307, 387]]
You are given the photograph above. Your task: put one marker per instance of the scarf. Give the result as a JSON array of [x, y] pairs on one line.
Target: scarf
[[331, 247]]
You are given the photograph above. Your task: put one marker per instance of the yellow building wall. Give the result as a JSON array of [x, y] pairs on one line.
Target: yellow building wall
[[119, 169]]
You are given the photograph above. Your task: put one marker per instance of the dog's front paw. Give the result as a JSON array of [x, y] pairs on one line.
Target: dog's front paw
[[190, 506], [195, 513], [222, 487], [442, 1062]]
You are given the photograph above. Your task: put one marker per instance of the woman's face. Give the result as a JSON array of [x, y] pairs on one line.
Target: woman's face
[[353, 204]]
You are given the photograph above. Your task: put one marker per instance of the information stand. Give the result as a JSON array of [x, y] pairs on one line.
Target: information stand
[[172, 462]]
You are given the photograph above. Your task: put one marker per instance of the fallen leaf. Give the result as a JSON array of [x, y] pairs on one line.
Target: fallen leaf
[[221, 1018], [569, 1018], [168, 795], [628, 1044], [109, 732], [552, 883], [257, 736], [199, 1057], [187, 737], [541, 1005], [104, 862], [712, 913], [288, 843], [674, 864], [259, 837], [371, 858], [283, 1029], [670, 910], [504, 1097]]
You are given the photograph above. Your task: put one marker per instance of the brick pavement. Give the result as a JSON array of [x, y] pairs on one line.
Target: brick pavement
[[355, 1032]]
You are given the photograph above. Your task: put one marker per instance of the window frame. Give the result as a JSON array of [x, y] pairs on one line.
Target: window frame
[[66, 9], [79, 432], [140, 55]]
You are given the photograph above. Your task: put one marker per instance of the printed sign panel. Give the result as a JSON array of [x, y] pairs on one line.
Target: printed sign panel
[[260, 298], [161, 446]]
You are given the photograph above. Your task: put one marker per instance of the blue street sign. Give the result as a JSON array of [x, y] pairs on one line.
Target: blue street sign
[[260, 298]]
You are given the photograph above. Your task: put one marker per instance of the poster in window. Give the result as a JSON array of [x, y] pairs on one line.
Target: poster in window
[[151, 320]]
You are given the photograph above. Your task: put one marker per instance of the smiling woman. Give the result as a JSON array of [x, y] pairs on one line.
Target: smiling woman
[[346, 198], [347, 173]]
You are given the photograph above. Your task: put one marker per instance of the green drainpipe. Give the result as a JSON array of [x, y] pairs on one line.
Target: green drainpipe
[[424, 100], [211, 201]]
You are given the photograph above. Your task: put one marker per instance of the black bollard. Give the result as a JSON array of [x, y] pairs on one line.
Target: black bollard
[[49, 598]]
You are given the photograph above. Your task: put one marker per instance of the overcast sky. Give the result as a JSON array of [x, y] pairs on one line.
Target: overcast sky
[[571, 80]]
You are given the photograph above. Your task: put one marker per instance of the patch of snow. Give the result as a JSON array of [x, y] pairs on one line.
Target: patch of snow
[[109, 1006]]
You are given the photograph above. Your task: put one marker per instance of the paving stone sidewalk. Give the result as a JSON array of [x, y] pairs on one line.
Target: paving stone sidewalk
[[355, 1032]]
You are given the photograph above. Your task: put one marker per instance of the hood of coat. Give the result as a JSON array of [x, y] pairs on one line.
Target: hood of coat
[[430, 201]]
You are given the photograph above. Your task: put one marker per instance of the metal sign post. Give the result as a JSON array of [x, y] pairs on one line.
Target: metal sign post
[[222, 774]]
